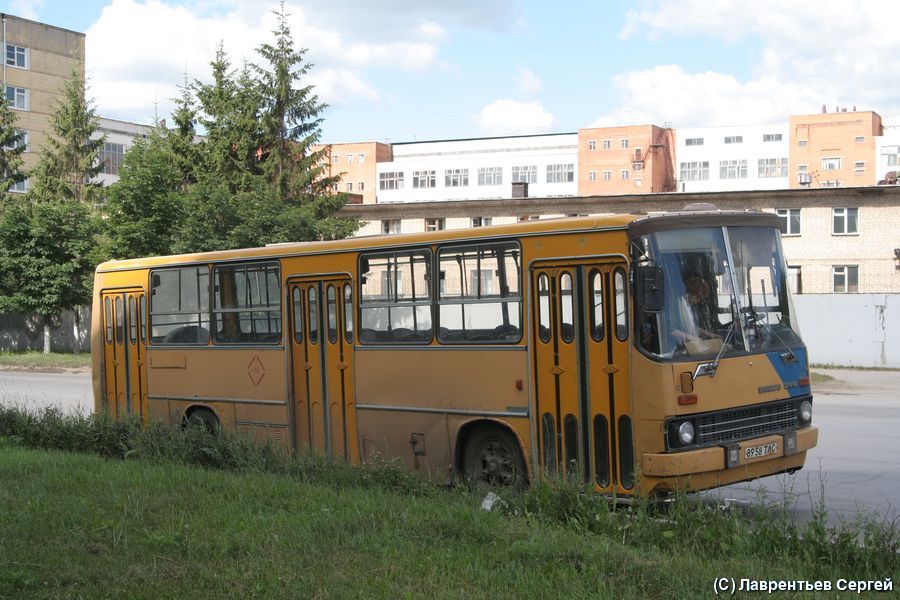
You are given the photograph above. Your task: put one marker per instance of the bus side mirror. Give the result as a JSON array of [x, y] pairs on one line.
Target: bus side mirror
[[650, 288]]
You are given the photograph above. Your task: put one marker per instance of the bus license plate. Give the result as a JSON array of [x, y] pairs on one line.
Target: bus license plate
[[760, 451]]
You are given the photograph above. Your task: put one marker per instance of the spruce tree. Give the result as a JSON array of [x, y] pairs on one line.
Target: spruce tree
[[12, 146]]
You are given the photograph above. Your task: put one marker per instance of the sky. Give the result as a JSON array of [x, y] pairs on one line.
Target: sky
[[414, 70]]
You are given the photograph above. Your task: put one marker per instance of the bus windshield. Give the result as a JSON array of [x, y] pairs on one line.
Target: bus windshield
[[725, 293]]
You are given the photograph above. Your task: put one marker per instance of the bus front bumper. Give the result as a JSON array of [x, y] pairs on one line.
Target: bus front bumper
[[730, 456]]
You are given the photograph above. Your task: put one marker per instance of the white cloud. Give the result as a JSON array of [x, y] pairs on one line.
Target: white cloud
[[529, 82], [27, 9], [669, 94], [812, 52], [138, 52], [509, 117]]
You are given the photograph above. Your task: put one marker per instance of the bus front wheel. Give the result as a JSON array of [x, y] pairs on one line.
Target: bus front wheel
[[492, 456]]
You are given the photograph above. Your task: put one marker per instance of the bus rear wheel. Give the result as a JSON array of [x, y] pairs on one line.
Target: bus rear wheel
[[492, 456], [204, 418]]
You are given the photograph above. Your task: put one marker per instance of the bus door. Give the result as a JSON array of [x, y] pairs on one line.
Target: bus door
[[125, 352], [322, 358], [583, 410]]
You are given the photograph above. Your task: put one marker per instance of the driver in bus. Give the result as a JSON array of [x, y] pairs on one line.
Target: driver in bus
[[695, 308]]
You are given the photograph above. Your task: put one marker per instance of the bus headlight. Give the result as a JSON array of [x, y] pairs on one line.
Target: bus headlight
[[805, 412], [686, 433]]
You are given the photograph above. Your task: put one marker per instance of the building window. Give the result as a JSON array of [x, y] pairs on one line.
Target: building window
[[638, 182], [773, 167], [733, 169], [859, 139], [335, 158], [111, 157], [607, 144], [362, 186], [845, 221], [17, 97], [831, 163], [695, 171], [790, 220], [424, 179], [334, 187], [349, 159], [802, 143], [771, 137], [625, 143], [607, 175], [734, 139], [859, 167], [456, 177], [637, 166], [845, 279], [560, 173], [592, 176], [524, 174], [693, 142], [362, 157], [624, 173], [830, 183], [392, 180], [16, 56], [482, 221], [889, 155], [22, 140], [19, 187], [349, 186], [795, 279], [390, 226], [490, 176], [592, 145], [435, 224], [802, 168]]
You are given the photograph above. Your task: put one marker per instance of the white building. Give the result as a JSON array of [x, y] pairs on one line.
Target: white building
[[480, 169], [120, 137], [724, 159], [887, 150]]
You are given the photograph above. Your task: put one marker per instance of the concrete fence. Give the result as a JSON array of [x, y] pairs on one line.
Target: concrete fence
[[860, 330], [69, 332]]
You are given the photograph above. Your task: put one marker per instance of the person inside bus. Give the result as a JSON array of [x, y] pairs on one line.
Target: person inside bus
[[696, 311]]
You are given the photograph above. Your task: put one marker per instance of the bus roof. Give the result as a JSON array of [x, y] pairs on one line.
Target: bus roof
[[642, 222]]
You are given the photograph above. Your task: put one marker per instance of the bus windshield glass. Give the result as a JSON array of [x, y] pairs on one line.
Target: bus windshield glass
[[725, 294]]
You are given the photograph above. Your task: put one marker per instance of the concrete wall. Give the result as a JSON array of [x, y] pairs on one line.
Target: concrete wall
[[860, 330], [19, 333]]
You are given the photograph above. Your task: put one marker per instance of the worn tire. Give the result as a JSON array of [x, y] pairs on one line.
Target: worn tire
[[202, 417], [492, 455]]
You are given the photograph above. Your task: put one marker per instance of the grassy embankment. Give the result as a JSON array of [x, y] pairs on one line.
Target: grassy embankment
[[94, 508], [38, 360]]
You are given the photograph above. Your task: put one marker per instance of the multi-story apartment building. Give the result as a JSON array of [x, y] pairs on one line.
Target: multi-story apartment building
[[479, 169], [119, 138], [834, 149], [356, 164], [732, 158], [636, 159], [38, 60]]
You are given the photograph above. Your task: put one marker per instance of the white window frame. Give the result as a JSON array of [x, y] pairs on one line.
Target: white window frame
[[859, 167], [607, 144], [697, 141], [831, 163], [697, 170], [435, 224], [844, 213], [772, 167], [592, 175], [843, 272], [772, 137], [592, 145], [482, 221], [456, 177], [14, 104], [624, 143], [734, 139], [390, 226], [424, 179], [788, 214], [25, 54], [390, 180], [733, 169], [490, 175], [607, 175], [624, 174], [561, 173], [524, 174]]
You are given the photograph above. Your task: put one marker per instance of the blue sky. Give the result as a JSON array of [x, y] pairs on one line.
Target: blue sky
[[405, 70]]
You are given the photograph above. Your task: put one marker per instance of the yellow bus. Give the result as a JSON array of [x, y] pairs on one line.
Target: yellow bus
[[633, 353]]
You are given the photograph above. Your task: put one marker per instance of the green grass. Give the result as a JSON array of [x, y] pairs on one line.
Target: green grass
[[154, 512], [38, 360], [819, 377]]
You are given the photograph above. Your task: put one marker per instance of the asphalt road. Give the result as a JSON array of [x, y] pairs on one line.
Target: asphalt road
[[856, 464]]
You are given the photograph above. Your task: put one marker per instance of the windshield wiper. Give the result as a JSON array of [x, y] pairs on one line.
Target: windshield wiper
[[788, 356], [711, 368]]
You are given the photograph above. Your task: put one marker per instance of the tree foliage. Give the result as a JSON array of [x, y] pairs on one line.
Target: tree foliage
[[12, 146]]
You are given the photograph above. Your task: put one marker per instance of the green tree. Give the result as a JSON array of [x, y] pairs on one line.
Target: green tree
[[144, 207], [69, 162], [182, 137], [12, 146], [291, 119], [46, 257]]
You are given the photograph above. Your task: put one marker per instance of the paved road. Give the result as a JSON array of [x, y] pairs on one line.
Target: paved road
[[857, 461]]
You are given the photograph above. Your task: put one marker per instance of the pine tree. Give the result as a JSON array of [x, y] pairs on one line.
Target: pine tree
[[291, 123], [12, 146], [181, 138], [69, 162]]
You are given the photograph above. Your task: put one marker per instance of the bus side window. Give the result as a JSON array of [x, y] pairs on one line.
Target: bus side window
[[331, 298], [566, 310], [107, 319], [621, 303], [120, 320], [597, 306], [298, 316], [544, 308], [313, 303], [348, 313]]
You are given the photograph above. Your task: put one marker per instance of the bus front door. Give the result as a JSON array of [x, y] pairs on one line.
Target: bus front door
[[583, 412], [125, 352], [322, 357]]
